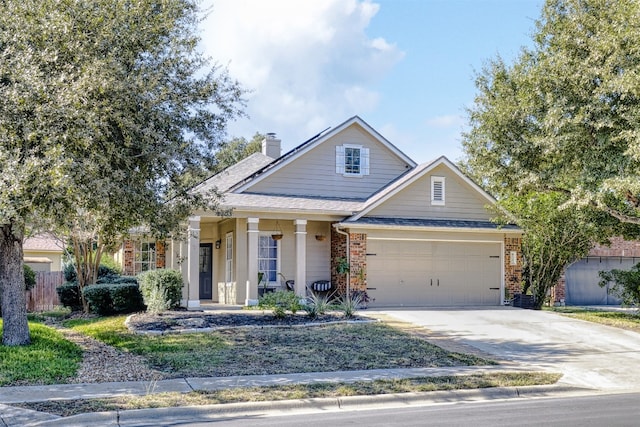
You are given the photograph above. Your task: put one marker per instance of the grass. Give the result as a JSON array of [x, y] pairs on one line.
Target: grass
[[288, 392], [623, 320], [49, 359], [258, 351]]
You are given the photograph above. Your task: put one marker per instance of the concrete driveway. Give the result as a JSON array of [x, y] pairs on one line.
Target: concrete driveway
[[588, 354]]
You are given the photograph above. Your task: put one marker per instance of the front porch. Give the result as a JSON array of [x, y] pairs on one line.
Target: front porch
[[227, 261]]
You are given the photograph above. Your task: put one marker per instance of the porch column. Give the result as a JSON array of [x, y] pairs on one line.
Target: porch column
[[193, 269], [184, 268], [301, 256], [252, 262]]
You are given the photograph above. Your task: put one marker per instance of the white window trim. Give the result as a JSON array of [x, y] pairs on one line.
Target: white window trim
[[435, 180], [272, 284], [341, 160]]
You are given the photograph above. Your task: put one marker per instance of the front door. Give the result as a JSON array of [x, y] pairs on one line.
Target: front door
[[205, 271]]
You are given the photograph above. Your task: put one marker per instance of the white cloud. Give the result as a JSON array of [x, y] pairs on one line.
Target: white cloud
[[309, 64], [446, 121]]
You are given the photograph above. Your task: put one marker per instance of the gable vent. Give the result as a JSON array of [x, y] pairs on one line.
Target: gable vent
[[437, 190]]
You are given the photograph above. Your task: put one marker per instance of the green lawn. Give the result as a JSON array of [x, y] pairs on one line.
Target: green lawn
[[49, 359], [629, 320]]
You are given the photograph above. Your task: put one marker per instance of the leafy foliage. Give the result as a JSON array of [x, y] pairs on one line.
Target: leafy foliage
[[563, 117], [29, 277], [555, 236], [106, 107], [161, 283], [110, 298], [69, 295], [280, 302], [626, 284]]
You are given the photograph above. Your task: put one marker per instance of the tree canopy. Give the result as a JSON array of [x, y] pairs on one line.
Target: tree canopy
[[565, 116], [105, 106]]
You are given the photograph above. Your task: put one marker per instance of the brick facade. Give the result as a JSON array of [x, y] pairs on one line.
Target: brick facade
[[128, 264], [512, 273], [338, 250], [357, 261]]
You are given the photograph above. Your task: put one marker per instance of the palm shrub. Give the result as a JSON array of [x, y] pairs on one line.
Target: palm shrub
[[165, 284]]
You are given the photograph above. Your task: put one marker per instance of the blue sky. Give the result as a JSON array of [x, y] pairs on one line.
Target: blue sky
[[405, 66]]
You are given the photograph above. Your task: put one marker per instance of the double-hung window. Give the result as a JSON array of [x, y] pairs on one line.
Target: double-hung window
[[352, 160], [144, 256], [268, 262]]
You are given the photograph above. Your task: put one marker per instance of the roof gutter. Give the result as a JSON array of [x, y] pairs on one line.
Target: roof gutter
[[337, 226]]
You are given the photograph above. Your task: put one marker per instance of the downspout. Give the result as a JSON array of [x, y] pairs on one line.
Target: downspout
[[344, 233]]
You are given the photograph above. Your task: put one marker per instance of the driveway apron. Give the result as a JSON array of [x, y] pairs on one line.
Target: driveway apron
[[588, 354]]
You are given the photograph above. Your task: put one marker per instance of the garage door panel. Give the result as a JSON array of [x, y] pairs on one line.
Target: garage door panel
[[413, 273], [581, 280]]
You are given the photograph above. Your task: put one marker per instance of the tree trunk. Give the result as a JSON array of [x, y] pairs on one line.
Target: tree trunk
[[15, 329]]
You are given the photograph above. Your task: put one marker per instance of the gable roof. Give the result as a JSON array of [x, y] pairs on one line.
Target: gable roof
[[308, 145], [403, 181], [234, 174]]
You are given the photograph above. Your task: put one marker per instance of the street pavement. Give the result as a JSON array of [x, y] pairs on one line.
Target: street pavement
[[593, 359]]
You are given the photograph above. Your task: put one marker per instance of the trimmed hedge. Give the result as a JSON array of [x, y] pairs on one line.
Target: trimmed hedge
[[165, 285], [109, 298], [69, 295]]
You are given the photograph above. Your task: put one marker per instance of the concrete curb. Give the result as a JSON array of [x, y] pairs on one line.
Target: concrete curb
[[174, 416]]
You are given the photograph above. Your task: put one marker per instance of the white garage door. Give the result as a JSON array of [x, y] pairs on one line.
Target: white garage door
[[424, 273]]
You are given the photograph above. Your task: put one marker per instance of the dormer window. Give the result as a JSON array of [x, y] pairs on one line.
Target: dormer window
[[352, 160], [437, 190]]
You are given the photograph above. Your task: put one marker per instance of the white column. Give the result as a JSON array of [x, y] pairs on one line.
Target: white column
[[301, 256], [252, 262], [184, 268], [193, 269]]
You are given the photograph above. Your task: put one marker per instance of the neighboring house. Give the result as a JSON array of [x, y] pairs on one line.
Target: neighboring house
[[43, 252], [413, 235], [579, 286]]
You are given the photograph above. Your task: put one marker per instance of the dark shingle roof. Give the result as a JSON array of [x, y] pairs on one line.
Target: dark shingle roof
[[438, 223]]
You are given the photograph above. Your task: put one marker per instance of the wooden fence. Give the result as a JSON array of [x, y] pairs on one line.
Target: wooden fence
[[43, 296]]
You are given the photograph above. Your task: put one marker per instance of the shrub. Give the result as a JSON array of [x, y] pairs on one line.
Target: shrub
[[157, 301], [99, 299], [126, 297], [626, 284], [105, 272], [109, 298], [349, 304], [317, 304], [279, 302], [69, 295], [29, 277], [169, 282]]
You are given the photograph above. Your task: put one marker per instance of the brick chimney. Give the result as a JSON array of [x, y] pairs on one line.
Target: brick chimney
[[271, 146]]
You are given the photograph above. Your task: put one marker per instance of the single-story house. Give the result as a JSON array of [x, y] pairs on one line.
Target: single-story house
[[43, 252], [411, 235]]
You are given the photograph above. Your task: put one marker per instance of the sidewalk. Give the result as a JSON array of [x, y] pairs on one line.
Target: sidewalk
[[12, 416]]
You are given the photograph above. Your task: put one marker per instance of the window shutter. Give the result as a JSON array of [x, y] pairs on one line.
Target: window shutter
[[364, 161], [340, 159]]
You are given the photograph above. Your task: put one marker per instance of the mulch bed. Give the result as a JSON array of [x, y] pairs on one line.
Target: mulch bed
[[176, 321]]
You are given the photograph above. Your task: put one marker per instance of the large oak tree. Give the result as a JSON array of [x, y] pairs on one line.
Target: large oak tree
[[104, 106], [561, 126], [565, 116]]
